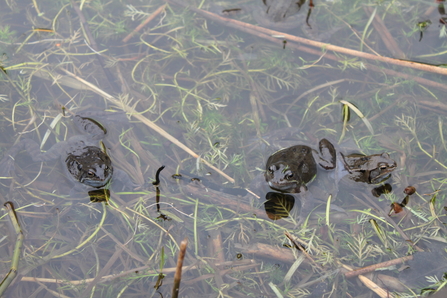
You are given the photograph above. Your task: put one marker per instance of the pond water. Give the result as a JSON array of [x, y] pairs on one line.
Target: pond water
[[211, 90]]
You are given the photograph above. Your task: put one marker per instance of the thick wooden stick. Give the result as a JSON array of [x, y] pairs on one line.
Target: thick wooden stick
[[178, 271]]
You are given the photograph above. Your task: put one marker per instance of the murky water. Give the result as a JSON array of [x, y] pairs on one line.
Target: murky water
[[211, 98]]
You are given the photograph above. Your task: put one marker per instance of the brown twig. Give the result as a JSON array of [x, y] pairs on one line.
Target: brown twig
[[263, 250], [433, 104], [178, 271], [215, 246], [374, 267], [367, 65], [303, 250], [150, 18]]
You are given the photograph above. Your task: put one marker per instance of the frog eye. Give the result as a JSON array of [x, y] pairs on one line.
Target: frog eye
[[90, 173], [272, 169], [288, 174], [383, 166]]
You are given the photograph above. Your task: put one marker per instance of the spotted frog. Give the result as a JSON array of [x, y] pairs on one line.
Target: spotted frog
[[84, 163]]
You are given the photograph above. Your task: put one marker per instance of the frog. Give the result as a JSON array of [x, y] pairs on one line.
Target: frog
[[288, 169], [370, 169], [292, 169], [85, 163]]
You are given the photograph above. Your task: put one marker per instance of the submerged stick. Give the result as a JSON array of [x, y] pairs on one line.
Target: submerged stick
[[372, 268], [178, 271], [17, 249], [150, 18], [234, 265]]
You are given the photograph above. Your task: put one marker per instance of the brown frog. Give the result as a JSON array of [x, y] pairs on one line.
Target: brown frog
[[289, 169], [371, 169]]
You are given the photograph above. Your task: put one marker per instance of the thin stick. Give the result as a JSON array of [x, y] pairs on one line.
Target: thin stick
[[303, 250], [17, 250], [178, 271], [335, 58], [229, 264], [150, 18], [372, 268]]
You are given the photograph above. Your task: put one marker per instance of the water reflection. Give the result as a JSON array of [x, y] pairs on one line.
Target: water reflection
[[278, 205]]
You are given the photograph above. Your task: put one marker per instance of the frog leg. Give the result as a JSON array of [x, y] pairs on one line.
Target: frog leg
[[326, 156], [347, 167]]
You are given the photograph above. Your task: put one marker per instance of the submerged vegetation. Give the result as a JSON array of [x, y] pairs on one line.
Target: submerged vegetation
[[211, 99]]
